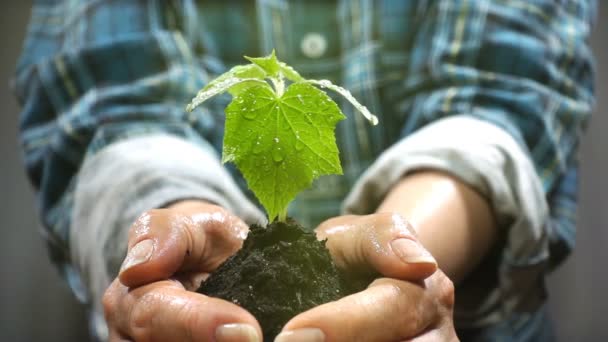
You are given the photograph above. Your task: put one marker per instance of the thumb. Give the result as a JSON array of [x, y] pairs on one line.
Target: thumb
[[382, 243], [192, 238]]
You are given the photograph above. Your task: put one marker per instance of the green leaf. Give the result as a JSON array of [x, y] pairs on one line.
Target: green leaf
[[347, 95], [270, 64], [221, 86], [281, 140], [239, 71], [229, 81], [281, 144], [290, 73]]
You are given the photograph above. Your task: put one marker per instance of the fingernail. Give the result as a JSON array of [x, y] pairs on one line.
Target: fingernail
[[236, 332], [411, 252], [301, 335], [140, 253]]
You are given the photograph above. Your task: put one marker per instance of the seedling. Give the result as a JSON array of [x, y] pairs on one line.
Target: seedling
[[279, 128], [279, 132]]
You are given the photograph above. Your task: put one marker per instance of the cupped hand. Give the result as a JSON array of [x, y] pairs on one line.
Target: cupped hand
[[410, 299], [170, 251]]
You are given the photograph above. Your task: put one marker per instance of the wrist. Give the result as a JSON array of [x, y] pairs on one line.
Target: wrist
[[453, 221]]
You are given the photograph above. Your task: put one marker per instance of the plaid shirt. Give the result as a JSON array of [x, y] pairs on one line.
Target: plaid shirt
[[96, 72]]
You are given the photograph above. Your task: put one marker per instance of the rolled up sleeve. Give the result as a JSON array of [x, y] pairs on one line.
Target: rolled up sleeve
[[497, 94], [104, 132]]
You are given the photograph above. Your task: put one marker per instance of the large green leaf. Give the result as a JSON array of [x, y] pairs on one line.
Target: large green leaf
[[281, 144]]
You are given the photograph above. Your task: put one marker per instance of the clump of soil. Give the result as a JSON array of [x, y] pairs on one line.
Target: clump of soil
[[282, 270]]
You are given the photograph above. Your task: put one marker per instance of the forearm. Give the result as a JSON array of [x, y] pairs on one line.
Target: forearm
[[453, 221]]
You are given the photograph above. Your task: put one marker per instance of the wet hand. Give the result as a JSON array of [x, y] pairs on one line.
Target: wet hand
[[170, 251], [410, 299]]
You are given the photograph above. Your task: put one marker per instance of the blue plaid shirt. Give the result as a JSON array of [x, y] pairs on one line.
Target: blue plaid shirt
[[96, 72]]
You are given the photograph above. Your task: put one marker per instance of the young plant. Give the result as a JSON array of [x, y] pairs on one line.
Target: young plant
[[280, 136]]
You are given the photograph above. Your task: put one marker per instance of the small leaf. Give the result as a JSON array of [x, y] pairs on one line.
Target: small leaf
[[248, 71], [240, 71], [219, 87], [270, 64], [281, 144], [290, 73], [347, 95]]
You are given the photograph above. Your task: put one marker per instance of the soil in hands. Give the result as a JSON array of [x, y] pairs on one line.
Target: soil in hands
[[282, 270]]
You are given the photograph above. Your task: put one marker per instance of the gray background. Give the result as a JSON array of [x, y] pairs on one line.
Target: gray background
[[35, 305]]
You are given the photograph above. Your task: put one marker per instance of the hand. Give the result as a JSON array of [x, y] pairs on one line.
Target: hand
[[170, 251], [404, 306]]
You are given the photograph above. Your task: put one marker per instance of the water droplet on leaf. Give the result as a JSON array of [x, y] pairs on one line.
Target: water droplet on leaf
[[277, 155], [299, 144], [250, 113], [329, 119], [324, 83], [257, 146]]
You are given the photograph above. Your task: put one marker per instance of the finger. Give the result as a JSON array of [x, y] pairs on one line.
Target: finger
[[114, 336], [191, 281], [383, 243], [445, 331], [164, 242], [436, 335], [165, 311], [389, 310]]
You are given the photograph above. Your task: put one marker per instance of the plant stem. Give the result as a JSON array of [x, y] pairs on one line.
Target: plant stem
[[283, 215], [279, 84]]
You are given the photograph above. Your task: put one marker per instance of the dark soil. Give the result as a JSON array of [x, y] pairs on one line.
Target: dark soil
[[282, 270]]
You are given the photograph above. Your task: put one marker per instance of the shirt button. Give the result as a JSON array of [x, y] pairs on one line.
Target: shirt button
[[313, 45]]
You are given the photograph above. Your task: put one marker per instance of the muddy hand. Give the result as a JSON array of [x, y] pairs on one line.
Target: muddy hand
[[411, 300], [169, 252]]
